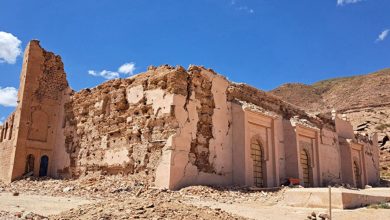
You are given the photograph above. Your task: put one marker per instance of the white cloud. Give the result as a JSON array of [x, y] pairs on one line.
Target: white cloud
[[8, 96], [127, 68], [241, 7], [10, 48], [105, 74], [246, 9], [346, 2], [383, 35]]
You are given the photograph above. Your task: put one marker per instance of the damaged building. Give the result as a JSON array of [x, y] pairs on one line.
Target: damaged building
[[175, 127]]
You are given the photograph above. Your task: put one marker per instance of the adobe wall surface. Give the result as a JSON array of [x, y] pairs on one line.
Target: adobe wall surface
[[122, 125], [330, 158], [371, 161], [264, 128], [201, 150], [7, 148], [32, 127], [170, 127], [43, 87]]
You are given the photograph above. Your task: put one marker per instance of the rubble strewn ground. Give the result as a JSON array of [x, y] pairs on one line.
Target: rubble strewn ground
[[119, 197], [112, 197]]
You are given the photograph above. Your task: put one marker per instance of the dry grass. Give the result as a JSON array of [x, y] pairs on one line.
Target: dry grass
[[379, 206]]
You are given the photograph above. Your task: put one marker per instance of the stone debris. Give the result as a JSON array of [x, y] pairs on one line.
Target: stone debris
[[68, 189], [118, 197], [21, 215], [323, 216]]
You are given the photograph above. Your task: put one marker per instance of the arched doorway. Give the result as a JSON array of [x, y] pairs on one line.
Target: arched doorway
[[44, 166], [30, 164], [356, 172], [258, 163], [306, 168]]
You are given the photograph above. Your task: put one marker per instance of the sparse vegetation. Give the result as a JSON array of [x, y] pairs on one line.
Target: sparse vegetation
[[380, 206]]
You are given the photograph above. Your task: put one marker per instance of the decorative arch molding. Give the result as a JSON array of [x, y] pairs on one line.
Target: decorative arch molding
[[306, 166], [309, 148], [39, 125]]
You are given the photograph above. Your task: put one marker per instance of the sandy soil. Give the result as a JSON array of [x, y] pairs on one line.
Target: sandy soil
[[120, 198], [253, 210], [42, 205]]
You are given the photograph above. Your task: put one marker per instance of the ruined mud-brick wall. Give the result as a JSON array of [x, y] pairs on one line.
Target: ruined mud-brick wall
[[122, 125], [7, 139], [169, 124], [371, 157], [247, 93], [32, 130], [42, 91]]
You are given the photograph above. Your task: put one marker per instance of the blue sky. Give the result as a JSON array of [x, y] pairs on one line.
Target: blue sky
[[264, 43]]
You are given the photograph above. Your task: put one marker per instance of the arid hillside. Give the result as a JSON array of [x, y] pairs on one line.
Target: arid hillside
[[364, 99], [371, 90]]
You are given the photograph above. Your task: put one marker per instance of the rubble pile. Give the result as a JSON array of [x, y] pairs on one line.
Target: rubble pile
[[117, 197], [233, 194], [135, 208]]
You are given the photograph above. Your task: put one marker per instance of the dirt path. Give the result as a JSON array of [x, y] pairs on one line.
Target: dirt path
[[42, 205], [255, 210]]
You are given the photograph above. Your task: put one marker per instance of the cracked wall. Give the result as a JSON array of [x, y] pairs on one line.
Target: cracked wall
[[201, 150], [170, 127], [43, 88], [7, 139], [121, 126]]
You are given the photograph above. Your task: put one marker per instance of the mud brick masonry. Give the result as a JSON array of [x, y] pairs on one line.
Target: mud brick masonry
[[175, 127]]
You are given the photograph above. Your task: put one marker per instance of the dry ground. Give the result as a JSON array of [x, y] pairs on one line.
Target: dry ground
[[116, 197]]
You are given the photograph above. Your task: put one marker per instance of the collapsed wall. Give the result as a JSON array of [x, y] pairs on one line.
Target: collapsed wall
[[127, 125], [7, 139], [29, 136], [122, 125], [171, 127]]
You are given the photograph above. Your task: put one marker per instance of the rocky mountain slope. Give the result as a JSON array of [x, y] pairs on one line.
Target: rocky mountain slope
[[371, 90], [364, 99]]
